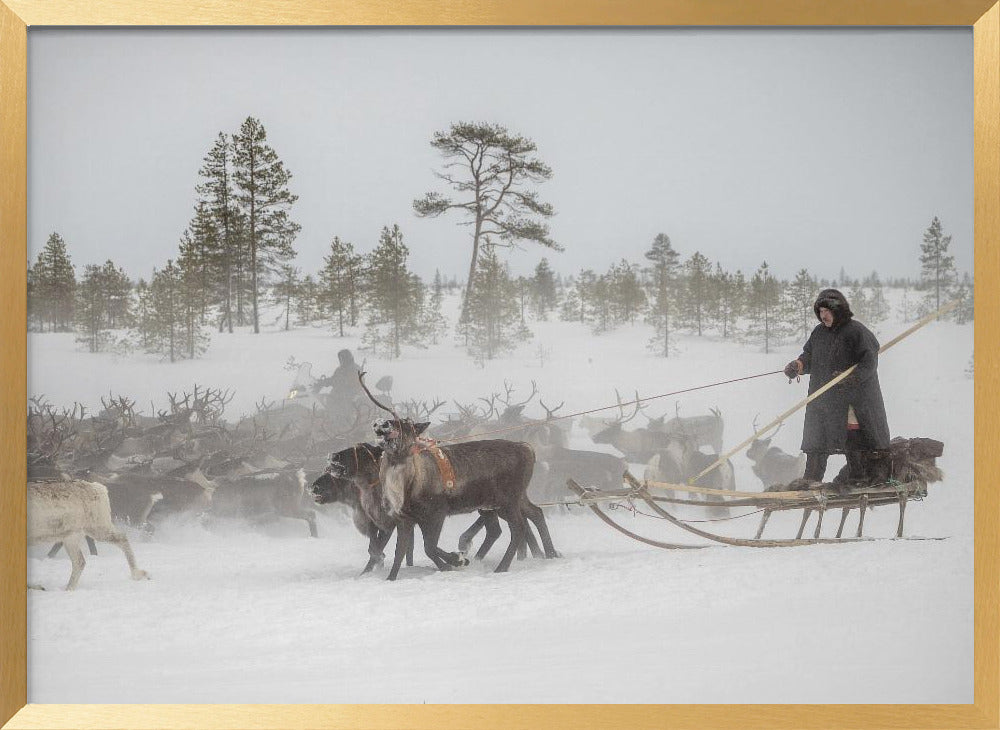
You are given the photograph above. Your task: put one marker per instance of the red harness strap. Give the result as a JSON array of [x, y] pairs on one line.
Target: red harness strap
[[443, 464]]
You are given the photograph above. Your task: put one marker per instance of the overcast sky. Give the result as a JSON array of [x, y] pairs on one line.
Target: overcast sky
[[807, 148]]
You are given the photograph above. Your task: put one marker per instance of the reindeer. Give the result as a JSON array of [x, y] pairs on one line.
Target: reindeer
[[68, 511], [639, 445], [681, 460], [352, 478], [772, 465], [699, 430], [556, 464], [485, 475]]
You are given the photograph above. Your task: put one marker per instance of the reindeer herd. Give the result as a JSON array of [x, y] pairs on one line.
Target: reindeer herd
[[86, 473]]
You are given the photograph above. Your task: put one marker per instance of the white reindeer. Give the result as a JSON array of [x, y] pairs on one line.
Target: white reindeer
[[69, 511]]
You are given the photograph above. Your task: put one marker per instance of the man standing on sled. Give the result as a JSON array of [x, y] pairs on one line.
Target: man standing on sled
[[850, 417]]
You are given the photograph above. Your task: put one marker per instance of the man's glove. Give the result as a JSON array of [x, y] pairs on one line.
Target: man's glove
[[792, 369]]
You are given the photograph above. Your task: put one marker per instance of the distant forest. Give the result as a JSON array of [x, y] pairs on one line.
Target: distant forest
[[234, 259]]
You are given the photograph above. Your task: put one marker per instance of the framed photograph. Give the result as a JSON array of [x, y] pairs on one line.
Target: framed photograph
[[297, 281]]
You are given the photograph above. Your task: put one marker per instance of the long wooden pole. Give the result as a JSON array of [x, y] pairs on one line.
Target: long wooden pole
[[722, 459]]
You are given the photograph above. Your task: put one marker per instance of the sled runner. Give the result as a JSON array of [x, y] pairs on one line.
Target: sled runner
[[910, 468]]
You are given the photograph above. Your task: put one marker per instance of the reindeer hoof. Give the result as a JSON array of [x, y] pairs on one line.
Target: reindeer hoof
[[140, 575]]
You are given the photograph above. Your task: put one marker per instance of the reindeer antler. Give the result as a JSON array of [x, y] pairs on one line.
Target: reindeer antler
[[361, 379]]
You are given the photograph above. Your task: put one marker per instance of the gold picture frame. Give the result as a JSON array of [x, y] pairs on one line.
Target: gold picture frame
[[16, 16]]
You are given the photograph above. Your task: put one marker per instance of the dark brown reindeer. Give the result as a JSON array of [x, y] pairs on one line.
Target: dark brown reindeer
[[351, 478], [481, 475]]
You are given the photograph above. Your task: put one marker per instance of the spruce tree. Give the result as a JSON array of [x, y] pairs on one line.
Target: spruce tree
[[54, 285], [494, 313], [543, 290], [696, 299], [801, 294], [175, 330], [625, 293], [394, 297], [965, 293], [766, 315], [340, 274], [433, 316], [143, 321], [937, 267], [90, 310], [663, 280], [261, 191]]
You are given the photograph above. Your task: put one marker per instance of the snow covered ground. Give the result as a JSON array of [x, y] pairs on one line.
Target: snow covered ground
[[234, 615]]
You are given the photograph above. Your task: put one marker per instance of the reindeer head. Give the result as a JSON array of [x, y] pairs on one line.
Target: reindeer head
[[355, 460], [329, 488], [396, 435]]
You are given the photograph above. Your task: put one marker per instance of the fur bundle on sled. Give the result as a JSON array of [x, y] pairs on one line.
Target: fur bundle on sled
[[907, 460]]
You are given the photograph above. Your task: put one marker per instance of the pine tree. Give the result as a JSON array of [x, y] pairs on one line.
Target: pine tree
[[492, 167], [966, 294], [54, 285], [219, 206], [307, 301], [801, 295], [173, 320], [394, 297], [437, 325], [199, 254], [625, 294], [285, 291], [695, 301], [143, 321], [117, 291], [572, 308], [543, 290], [937, 268], [341, 286], [494, 317], [261, 191], [663, 281], [766, 315], [90, 309], [878, 306]]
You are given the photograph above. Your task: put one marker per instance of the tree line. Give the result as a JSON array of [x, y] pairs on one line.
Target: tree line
[[236, 254]]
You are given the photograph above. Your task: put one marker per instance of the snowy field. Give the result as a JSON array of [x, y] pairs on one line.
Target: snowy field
[[272, 616]]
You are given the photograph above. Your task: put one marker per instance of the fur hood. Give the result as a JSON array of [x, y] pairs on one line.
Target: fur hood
[[836, 302]]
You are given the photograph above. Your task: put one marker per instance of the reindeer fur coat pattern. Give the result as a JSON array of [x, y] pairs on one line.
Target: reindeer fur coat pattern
[[828, 351]]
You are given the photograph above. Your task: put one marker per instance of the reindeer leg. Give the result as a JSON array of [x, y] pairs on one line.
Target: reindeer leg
[[91, 545], [118, 539], [534, 513], [492, 522], [404, 539], [531, 543], [431, 530], [805, 518], [843, 519], [54, 550], [72, 545], [515, 520], [377, 540], [465, 539]]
